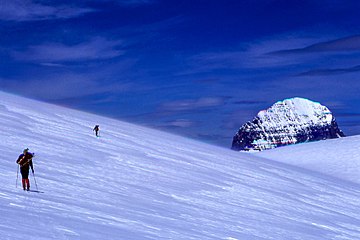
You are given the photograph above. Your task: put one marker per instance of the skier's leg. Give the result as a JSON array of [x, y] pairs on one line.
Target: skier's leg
[[23, 181], [28, 184]]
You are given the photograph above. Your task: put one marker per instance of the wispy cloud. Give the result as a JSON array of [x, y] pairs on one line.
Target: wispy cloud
[[217, 60], [347, 44], [248, 56], [179, 123], [191, 104], [126, 2], [29, 10], [95, 49], [329, 72], [135, 2], [62, 86], [248, 102], [283, 55], [52, 64]]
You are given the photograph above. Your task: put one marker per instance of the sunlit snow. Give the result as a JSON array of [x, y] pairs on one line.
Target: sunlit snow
[[138, 183], [338, 158]]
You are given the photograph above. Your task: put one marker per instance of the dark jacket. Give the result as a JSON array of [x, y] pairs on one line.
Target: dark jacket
[[25, 162]]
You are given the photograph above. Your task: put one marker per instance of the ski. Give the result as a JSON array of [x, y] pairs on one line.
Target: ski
[[36, 191]]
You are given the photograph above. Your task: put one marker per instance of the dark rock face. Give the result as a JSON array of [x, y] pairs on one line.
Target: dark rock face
[[291, 121]]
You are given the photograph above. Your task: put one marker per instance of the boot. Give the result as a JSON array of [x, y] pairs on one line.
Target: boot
[[23, 181], [28, 184]]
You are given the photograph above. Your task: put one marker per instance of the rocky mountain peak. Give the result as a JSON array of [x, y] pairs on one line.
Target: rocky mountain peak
[[290, 121]]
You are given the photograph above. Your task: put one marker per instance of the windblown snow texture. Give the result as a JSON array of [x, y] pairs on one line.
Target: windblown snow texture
[[291, 121], [135, 183]]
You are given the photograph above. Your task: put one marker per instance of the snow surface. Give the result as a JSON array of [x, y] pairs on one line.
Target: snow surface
[[295, 110], [339, 157], [138, 183]]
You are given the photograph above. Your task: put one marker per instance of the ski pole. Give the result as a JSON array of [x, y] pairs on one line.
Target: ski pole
[[35, 181], [17, 175]]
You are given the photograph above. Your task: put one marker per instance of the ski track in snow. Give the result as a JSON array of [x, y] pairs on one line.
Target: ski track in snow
[[138, 183]]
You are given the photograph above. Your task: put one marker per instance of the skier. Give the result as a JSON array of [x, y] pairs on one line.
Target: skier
[[96, 129], [25, 162]]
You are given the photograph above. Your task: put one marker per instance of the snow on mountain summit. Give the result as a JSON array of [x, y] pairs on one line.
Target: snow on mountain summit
[[286, 122], [299, 110]]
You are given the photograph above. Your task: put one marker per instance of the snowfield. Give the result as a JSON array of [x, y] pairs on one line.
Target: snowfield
[[339, 158], [138, 183]]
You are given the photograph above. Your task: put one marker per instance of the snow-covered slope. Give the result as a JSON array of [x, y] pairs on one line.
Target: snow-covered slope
[[293, 120], [335, 157], [138, 183]]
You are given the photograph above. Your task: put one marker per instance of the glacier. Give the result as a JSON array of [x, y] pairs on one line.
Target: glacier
[[135, 183]]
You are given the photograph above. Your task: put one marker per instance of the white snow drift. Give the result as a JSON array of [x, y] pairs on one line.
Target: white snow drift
[[339, 158], [138, 183]]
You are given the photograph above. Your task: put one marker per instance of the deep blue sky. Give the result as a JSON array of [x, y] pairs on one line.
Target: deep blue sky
[[196, 68]]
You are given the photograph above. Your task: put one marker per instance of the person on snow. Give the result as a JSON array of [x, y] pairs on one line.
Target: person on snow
[[25, 162], [96, 129]]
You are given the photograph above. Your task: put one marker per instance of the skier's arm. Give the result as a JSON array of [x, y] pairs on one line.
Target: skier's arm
[[20, 158]]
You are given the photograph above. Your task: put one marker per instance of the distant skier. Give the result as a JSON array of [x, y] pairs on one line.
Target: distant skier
[[96, 129], [25, 162]]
